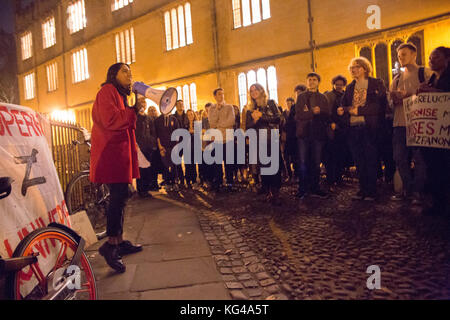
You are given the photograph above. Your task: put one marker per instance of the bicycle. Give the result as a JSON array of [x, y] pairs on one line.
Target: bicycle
[[83, 195], [48, 264]]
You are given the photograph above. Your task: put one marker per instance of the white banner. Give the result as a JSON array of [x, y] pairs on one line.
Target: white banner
[[36, 198], [428, 120]]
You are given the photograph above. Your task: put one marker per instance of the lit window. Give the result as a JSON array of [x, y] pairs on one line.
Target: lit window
[[52, 77], [77, 16], [266, 78], [119, 4], [178, 27], [193, 93], [27, 44], [29, 85], [188, 93], [125, 47], [80, 70], [49, 33], [247, 12], [237, 14]]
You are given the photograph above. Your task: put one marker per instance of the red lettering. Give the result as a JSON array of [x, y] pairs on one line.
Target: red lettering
[[29, 122], [7, 123], [420, 127], [430, 128], [37, 124], [19, 122], [8, 247], [41, 250]]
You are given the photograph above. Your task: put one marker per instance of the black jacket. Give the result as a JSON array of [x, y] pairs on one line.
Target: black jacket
[[308, 124], [270, 118], [182, 120], [164, 126], [146, 135], [376, 102]]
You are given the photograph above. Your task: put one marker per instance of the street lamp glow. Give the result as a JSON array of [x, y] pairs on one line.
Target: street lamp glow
[[67, 116]]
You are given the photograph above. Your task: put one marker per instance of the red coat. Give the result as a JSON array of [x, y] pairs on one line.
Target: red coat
[[113, 151]]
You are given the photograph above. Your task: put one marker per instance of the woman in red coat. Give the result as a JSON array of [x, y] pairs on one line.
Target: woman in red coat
[[114, 157]]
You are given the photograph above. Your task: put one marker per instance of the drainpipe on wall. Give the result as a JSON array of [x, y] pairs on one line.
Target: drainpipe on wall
[[215, 42], [61, 22], [312, 42]]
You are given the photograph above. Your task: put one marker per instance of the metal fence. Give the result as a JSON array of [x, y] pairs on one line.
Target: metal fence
[[69, 158]]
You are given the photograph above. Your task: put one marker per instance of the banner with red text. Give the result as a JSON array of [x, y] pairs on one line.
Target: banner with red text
[[36, 198], [428, 120]]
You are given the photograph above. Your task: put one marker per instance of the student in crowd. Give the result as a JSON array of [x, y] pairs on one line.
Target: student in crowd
[[165, 125], [404, 85], [180, 115], [191, 168], [336, 151], [438, 159], [263, 114], [114, 157], [221, 116], [312, 115], [365, 101], [156, 164], [287, 145]]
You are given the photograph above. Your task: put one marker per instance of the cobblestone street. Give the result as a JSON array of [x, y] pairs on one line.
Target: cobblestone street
[[320, 249]]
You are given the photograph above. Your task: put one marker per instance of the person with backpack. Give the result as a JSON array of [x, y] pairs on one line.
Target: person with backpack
[[404, 85]]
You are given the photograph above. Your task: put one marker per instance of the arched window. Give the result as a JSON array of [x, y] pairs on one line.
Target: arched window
[[261, 78], [180, 93], [174, 29], [273, 83], [246, 12], [181, 25], [256, 11], [237, 13], [381, 62], [193, 89], [168, 31], [394, 57], [366, 52], [242, 85], [266, 9], [186, 100], [251, 78], [417, 40], [187, 11]]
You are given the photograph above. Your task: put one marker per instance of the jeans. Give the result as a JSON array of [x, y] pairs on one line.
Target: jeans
[[412, 181], [143, 183], [363, 146], [218, 169], [116, 207], [309, 159]]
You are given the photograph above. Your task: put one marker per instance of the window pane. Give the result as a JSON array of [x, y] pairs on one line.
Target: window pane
[[189, 38], [186, 97], [180, 93], [174, 29], [394, 57], [122, 46], [261, 78], [266, 9], [133, 48], [168, 31], [246, 12], [256, 11], [273, 83], [181, 26], [128, 46], [237, 13], [242, 85], [193, 88], [251, 78], [381, 61], [366, 52], [416, 39]]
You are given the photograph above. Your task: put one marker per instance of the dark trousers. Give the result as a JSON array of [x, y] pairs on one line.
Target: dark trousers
[[218, 168], [170, 172], [155, 168], [438, 164], [334, 158], [116, 208], [143, 183], [386, 151], [363, 145], [309, 159], [272, 182], [412, 182]]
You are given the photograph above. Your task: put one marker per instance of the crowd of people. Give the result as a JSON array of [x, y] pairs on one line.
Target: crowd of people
[[358, 124]]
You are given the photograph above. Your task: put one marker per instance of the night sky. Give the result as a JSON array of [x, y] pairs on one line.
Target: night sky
[[7, 15]]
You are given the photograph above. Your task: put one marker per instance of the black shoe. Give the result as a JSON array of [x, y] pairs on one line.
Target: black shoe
[[112, 257], [126, 247]]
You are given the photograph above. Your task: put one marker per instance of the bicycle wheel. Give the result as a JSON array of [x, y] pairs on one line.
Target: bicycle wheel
[[56, 247], [82, 194]]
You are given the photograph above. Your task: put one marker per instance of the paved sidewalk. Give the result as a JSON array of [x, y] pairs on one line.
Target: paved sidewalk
[[176, 263]]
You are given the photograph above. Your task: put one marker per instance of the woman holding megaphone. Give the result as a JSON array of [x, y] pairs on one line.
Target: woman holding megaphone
[[114, 157]]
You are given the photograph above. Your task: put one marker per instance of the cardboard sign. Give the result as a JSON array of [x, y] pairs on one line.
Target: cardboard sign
[[428, 120]]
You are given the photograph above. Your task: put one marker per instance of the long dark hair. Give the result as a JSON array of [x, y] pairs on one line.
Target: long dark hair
[[111, 79]]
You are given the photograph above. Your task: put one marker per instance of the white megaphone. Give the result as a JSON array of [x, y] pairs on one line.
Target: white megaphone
[[166, 99]]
